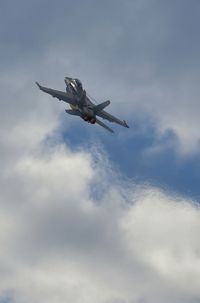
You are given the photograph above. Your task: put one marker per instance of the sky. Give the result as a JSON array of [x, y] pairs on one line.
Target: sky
[[85, 215]]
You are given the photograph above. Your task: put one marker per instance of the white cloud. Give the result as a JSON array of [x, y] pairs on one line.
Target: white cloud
[[71, 231], [133, 244]]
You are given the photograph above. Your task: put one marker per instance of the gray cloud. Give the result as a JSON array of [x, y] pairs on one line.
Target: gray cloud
[[143, 54]]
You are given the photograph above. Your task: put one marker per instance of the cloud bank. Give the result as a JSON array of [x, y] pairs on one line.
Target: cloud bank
[[62, 242]]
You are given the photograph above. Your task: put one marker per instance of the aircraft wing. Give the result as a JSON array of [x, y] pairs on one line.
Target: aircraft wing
[[66, 97], [103, 114]]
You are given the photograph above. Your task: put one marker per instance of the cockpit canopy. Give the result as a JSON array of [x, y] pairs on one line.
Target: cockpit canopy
[[73, 85], [78, 83]]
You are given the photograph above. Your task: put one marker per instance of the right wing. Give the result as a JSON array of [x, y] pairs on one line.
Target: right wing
[[103, 114], [104, 125], [66, 97]]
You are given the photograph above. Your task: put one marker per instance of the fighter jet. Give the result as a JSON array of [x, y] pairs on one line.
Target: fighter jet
[[81, 105]]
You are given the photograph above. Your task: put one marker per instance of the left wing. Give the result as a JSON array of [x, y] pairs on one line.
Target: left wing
[[66, 97], [103, 114]]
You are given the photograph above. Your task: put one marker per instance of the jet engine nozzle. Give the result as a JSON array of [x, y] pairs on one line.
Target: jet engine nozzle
[[89, 119]]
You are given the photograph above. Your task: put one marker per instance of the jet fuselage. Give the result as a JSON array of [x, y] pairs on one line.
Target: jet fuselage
[[84, 105], [81, 105]]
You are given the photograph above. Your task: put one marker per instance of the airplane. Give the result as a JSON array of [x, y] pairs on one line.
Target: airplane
[[81, 105]]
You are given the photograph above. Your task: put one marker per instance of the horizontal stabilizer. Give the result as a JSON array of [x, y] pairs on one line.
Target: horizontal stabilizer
[[73, 112], [101, 106], [104, 125]]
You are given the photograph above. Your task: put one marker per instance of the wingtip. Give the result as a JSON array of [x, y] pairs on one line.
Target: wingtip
[[126, 125], [38, 84]]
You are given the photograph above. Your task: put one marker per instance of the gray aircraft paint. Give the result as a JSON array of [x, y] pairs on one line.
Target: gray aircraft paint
[[81, 105]]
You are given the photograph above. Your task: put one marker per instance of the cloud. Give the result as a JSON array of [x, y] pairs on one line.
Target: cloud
[[136, 52], [59, 241], [72, 230]]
